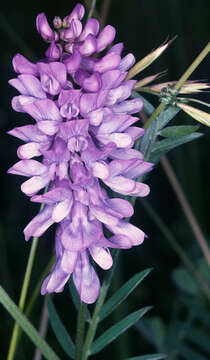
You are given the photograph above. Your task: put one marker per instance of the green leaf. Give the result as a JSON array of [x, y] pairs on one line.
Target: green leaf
[[147, 141], [26, 326], [117, 329], [177, 131], [190, 354], [122, 293], [185, 281], [163, 146], [59, 330], [148, 357], [167, 115], [76, 299]]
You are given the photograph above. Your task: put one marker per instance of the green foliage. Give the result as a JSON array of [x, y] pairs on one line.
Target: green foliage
[[112, 333], [177, 131], [152, 148], [121, 294], [59, 330], [26, 326], [163, 146]]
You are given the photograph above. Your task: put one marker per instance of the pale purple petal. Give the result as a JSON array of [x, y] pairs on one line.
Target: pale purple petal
[[109, 62], [101, 256], [91, 27], [44, 28], [86, 280], [105, 37], [39, 224], [23, 66], [135, 235]]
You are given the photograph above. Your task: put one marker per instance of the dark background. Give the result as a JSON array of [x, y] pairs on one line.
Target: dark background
[[142, 26]]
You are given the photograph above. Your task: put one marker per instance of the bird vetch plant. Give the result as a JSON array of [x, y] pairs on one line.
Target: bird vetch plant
[[91, 159]]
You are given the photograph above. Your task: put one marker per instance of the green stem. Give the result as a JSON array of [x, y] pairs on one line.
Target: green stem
[[95, 318], [29, 329], [175, 245], [16, 329], [24, 290], [180, 82], [35, 294], [192, 67], [80, 330]]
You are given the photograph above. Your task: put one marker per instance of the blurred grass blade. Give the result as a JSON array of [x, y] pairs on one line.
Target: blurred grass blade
[[162, 147], [191, 354], [148, 357], [201, 313], [29, 329], [60, 331], [121, 294], [200, 338], [176, 131], [111, 334], [76, 299]]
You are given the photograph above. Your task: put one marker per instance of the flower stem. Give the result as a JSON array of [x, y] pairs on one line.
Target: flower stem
[[95, 318], [180, 82], [80, 330], [192, 67], [16, 329], [24, 290]]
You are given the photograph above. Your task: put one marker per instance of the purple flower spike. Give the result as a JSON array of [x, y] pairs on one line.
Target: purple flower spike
[[83, 134]]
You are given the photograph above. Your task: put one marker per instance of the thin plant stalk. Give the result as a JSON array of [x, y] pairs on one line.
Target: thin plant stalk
[[80, 330], [21, 304], [175, 245], [43, 327], [23, 294], [186, 208], [104, 12], [36, 293], [92, 8]]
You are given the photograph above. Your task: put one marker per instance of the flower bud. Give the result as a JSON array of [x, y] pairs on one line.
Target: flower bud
[[57, 22]]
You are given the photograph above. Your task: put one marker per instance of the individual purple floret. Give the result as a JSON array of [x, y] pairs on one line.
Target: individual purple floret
[[83, 136]]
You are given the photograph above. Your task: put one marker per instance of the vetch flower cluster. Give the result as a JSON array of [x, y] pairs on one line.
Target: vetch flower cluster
[[83, 138]]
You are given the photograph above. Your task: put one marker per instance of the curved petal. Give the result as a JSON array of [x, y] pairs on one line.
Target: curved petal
[[135, 235], [86, 280], [101, 256], [39, 224]]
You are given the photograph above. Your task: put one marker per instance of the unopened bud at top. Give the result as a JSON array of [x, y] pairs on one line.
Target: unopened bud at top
[[57, 22]]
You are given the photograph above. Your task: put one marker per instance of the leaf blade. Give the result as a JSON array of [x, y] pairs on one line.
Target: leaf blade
[[148, 357], [60, 331], [163, 146], [112, 333], [122, 293], [27, 327], [177, 131]]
